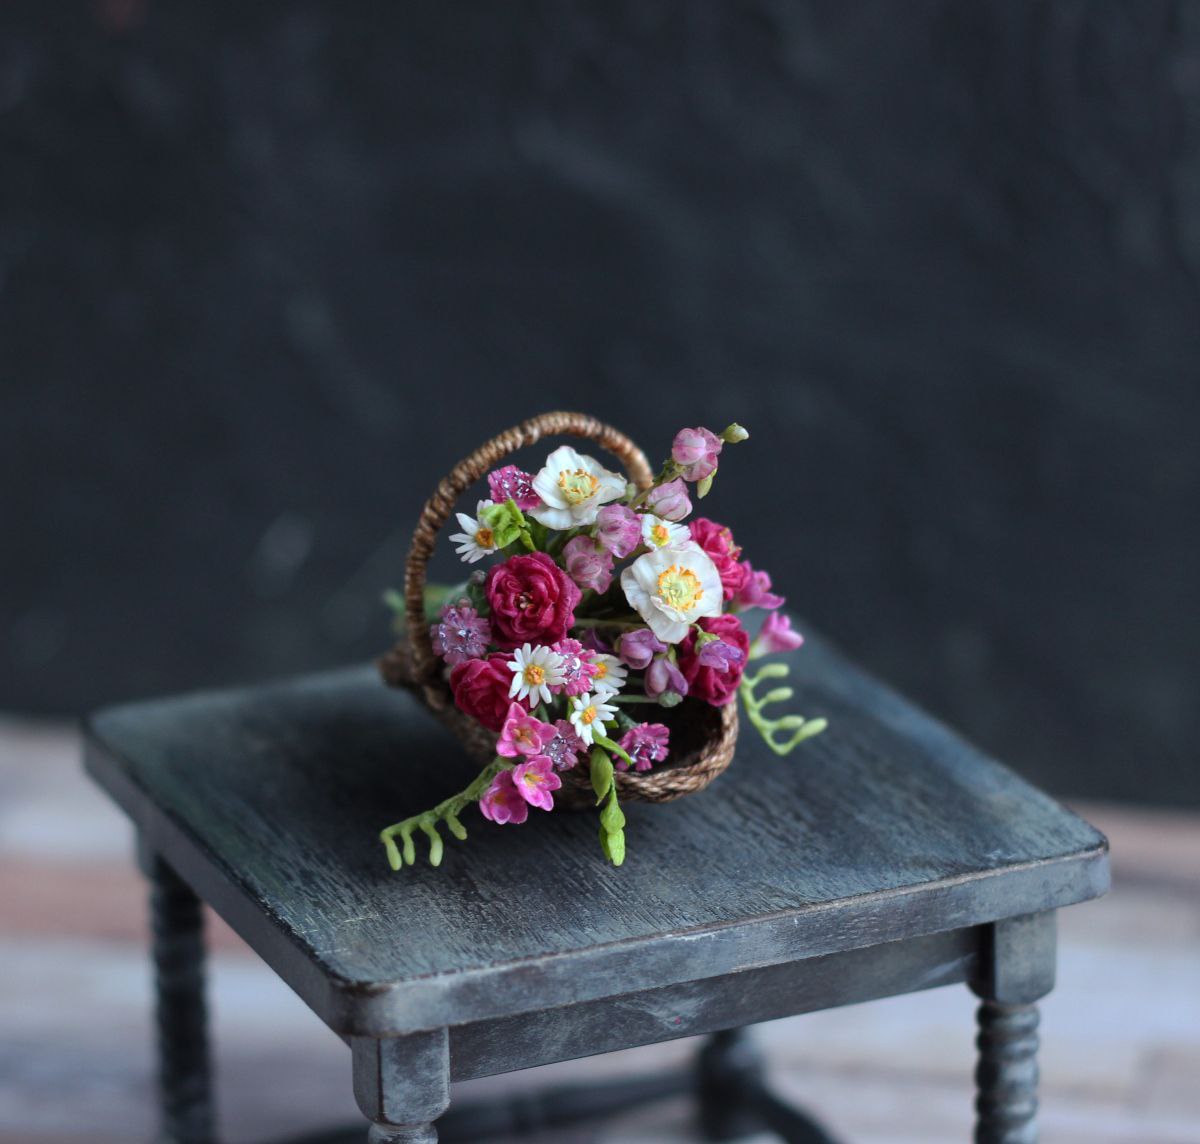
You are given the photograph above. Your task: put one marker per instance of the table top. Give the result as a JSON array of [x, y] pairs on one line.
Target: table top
[[268, 801]]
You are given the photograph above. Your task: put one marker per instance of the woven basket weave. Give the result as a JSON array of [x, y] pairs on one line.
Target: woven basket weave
[[702, 736]]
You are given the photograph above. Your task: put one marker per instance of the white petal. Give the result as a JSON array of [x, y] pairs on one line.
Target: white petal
[[553, 516], [665, 628], [466, 523]]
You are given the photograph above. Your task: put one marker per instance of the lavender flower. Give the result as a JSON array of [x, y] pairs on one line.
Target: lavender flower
[[618, 530], [645, 744], [755, 591], [638, 648], [461, 634], [719, 655]]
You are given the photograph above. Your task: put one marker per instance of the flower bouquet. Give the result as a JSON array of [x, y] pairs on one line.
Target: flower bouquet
[[600, 656]]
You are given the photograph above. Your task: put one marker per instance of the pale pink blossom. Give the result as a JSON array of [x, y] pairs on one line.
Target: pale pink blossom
[[670, 501], [618, 530], [755, 591], [776, 635]]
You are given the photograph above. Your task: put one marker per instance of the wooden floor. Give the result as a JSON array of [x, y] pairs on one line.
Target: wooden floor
[[1121, 1035]]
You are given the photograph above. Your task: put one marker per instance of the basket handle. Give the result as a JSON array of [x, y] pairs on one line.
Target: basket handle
[[441, 504]]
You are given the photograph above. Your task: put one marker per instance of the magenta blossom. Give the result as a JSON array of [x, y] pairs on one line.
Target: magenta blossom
[[720, 655], [578, 672], [663, 676], [522, 734], [461, 634], [755, 591], [535, 780], [502, 802], [670, 501], [587, 564], [638, 648], [696, 451], [565, 748], [515, 484], [645, 744], [618, 530], [776, 635]]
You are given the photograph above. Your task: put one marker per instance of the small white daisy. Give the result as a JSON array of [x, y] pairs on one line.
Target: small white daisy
[[476, 540], [659, 533], [589, 713], [610, 677], [535, 670]]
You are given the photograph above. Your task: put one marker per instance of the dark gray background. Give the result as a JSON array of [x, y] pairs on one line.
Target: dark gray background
[[267, 270]]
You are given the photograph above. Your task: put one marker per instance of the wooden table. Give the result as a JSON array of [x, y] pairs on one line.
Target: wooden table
[[886, 856]]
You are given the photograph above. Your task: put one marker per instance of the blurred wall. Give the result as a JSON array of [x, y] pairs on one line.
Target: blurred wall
[[267, 269]]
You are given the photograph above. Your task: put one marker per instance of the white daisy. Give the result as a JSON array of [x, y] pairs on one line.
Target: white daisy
[[671, 588], [659, 533], [476, 540], [589, 713], [573, 488], [535, 670], [612, 673]]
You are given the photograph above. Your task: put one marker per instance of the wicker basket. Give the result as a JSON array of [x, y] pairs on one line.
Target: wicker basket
[[702, 736]]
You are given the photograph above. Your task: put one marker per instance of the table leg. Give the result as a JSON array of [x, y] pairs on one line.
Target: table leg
[[402, 1085], [1016, 969], [185, 1088]]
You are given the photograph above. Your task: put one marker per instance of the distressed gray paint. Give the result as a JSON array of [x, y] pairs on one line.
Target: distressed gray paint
[[885, 828]]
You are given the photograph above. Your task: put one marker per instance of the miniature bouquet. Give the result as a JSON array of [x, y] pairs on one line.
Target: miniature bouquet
[[600, 656]]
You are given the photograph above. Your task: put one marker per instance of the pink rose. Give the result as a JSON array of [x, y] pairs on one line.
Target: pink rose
[[717, 541], [714, 684], [587, 564], [480, 688], [532, 600], [696, 452]]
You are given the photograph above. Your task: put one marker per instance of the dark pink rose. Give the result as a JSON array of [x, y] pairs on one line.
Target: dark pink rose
[[712, 683], [480, 688], [717, 541], [532, 601]]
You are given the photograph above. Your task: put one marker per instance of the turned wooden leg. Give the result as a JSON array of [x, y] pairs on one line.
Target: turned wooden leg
[[402, 1085], [185, 1087], [1006, 1076], [1016, 969]]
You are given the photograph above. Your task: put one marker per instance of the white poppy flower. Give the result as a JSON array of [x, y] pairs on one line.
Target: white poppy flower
[[671, 588], [476, 540], [573, 488], [612, 673], [535, 670], [659, 533], [589, 713]]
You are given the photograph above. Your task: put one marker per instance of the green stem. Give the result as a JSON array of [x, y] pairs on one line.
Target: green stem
[[446, 811], [600, 622], [633, 699]]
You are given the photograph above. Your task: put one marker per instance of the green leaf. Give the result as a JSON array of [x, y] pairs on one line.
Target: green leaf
[[435, 843], [602, 773], [456, 828], [612, 817], [506, 521], [613, 845], [393, 855]]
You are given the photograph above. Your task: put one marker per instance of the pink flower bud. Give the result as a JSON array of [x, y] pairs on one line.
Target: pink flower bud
[[588, 565], [618, 529], [639, 647], [777, 635], [696, 452], [670, 501]]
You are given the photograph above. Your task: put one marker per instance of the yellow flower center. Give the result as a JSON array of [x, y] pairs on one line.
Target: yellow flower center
[[660, 535], [534, 675], [601, 671], [588, 716], [524, 735], [531, 778], [578, 485], [679, 588], [484, 537]]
